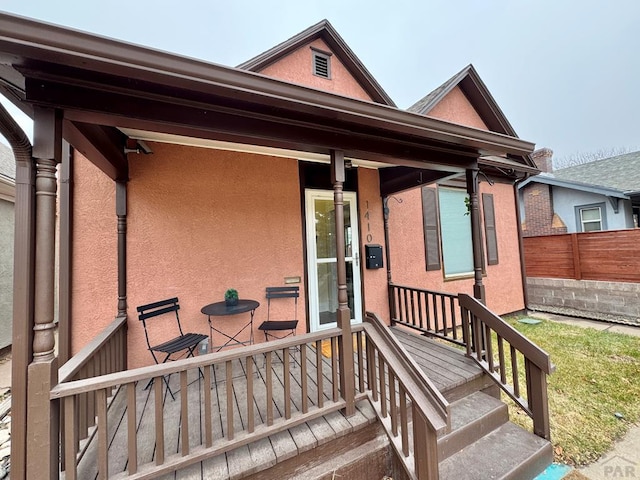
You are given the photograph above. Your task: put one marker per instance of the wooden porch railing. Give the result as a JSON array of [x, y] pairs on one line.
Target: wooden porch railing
[[105, 354], [292, 350], [484, 333], [409, 406], [397, 387], [433, 313]]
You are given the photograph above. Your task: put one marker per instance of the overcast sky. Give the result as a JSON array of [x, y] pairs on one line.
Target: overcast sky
[[565, 73]]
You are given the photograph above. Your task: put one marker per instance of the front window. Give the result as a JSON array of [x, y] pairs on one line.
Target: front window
[[455, 227]]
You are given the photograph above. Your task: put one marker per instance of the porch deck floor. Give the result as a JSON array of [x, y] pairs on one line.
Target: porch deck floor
[[445, 366]]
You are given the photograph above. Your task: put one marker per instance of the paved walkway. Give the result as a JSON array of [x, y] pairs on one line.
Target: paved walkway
[[623, 460]]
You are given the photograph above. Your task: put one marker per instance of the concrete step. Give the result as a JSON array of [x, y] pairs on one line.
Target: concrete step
[[508, 452], [472, 417]]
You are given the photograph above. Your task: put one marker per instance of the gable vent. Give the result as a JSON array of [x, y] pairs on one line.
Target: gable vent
[[321, 66]]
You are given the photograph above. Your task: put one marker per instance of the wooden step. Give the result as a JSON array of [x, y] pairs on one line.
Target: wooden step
[[508, 452], [472, 417]]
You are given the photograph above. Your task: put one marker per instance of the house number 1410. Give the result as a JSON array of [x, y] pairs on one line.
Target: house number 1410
[[366, 215]]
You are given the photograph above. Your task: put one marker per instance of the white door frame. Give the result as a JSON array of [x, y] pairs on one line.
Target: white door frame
[[352, 260]]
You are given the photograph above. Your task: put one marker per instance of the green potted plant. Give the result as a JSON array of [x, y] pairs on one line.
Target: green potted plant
[[231, 297]]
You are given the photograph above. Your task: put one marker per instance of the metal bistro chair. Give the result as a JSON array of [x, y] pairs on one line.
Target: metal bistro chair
[[185, 342], [269, 326]]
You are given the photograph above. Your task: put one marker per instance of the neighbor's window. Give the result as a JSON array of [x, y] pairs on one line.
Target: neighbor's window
[[591, 218]]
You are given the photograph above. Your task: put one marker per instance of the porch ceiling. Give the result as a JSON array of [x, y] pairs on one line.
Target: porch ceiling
[[102, 84]]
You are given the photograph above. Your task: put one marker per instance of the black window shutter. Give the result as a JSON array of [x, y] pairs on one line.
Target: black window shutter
[[490, 229], [431, 231]]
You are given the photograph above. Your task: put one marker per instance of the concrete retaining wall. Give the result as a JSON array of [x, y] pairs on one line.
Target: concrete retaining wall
[[610, 301]]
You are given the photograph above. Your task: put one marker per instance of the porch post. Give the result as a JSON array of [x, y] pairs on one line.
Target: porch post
[[345, 341], [42, 374], [121, 213], [64, 275], [23, 266], [476, 236]]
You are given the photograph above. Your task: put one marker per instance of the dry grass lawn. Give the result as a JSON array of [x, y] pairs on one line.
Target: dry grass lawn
[[593, 394]]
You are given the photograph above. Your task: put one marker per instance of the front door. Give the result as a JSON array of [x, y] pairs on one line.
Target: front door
[[322, 262]]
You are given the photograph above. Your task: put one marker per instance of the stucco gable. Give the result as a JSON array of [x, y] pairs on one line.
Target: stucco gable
[[291, 61]]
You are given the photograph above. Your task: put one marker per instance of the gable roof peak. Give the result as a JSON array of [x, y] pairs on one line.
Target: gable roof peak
[[324, 30]]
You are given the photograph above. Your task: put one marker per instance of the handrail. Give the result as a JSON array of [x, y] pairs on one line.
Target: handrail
[[164, 369], [430, 312], [404, 390], [481, 328], [73, 366], [529, 349], [421, 387]]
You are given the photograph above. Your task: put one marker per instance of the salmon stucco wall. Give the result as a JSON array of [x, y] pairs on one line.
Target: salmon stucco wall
[[297, 67], [503, 282], [376, 295], [202, 221], [456, 108], [94, 291]]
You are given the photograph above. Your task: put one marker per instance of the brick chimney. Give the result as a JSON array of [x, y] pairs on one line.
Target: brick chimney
[[543, 159]]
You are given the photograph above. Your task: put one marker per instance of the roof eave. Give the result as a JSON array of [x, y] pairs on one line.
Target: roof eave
[[27, 41]]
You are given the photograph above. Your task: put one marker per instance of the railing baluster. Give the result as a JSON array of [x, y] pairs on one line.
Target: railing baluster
[[406, 305], [303, 380], [103, 435], [436, 317], [383, 386], [404, 425], [360, 362], [454, 323], [412, 293], [89, 372], [503, 370], [489, 345], [132, 442], [287, 383], [420, 313], [466, 329], [269, 380], [319, 374], [393, 407], [229, 378], [157, 384], [71, 438], [208, 417], [427, 310], [371, 369], [184, 413], [250, 413], [479, 337], [334, 369], [514, 371]]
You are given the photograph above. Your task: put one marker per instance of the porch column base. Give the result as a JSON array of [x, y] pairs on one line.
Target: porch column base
[[42, 421], [345, 353]]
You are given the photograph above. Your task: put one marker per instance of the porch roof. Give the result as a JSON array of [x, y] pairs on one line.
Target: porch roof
[[103, 84]]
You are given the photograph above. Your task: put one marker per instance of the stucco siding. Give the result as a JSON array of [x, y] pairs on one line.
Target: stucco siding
[[565, 200], [376, 295], [6, 271], [297, 68], [503, 281], [456, 108]]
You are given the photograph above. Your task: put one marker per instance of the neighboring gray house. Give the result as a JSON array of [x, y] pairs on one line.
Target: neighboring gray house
[[600, 195], [7, 200]]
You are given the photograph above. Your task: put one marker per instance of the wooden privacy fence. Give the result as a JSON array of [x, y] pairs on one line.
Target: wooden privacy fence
[[607, 256], [226, 400]]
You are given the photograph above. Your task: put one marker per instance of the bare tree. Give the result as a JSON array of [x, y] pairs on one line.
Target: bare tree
[[580, 158]]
